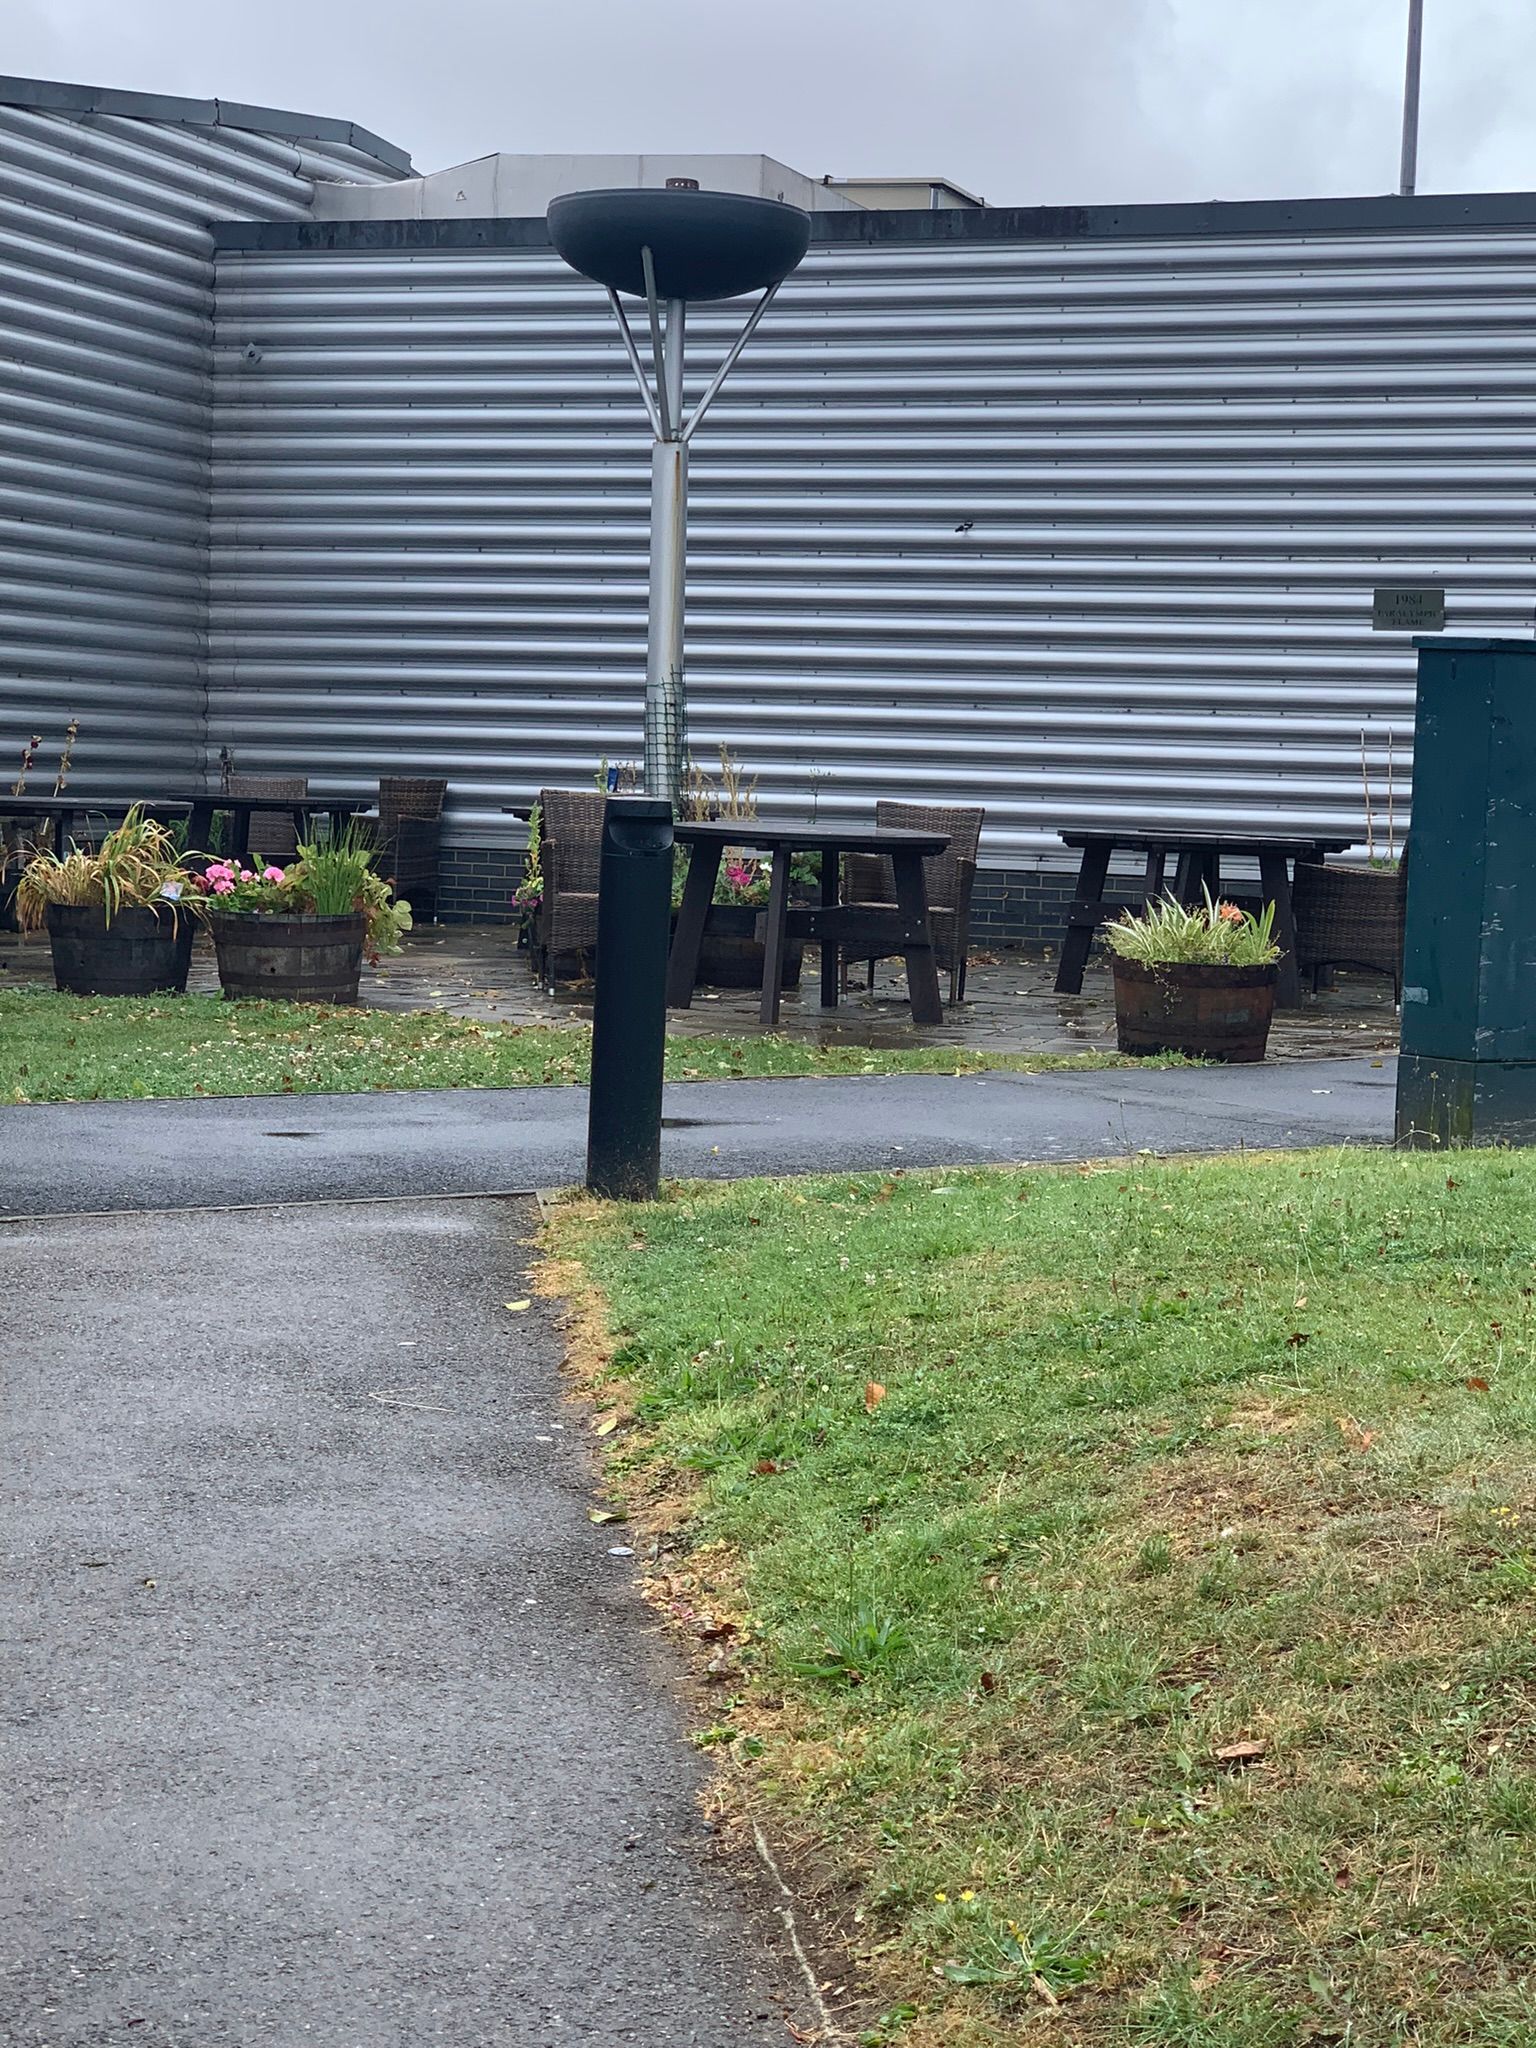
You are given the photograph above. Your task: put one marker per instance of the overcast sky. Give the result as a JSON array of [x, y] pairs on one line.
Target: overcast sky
[[1024, 101]]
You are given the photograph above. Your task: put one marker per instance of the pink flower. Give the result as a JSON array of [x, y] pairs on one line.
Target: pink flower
[[247, 875], [223, 886], [270, 874], [217, 871]]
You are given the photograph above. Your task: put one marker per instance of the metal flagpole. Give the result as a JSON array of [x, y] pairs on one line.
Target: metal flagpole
[[1408, 175]]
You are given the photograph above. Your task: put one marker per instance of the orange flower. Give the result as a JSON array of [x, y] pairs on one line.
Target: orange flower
[[1229, 913]]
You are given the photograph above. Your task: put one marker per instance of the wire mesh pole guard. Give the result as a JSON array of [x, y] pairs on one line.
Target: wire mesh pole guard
[[666, 717], [629, 1015]]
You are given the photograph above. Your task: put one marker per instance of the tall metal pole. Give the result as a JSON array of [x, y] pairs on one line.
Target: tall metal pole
[[665, 739], [1408, 176]]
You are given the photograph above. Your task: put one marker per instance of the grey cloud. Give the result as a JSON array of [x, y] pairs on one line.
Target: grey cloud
[[1023, 100]]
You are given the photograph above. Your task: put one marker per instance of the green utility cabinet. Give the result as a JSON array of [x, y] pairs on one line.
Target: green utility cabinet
[[1467, 1072]]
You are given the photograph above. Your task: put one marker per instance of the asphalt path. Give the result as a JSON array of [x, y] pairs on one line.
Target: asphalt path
[[58, 1158], [330, 1719]]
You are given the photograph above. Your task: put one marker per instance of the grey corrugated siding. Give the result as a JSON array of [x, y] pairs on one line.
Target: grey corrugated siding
[[106, 287], [1085, 532]]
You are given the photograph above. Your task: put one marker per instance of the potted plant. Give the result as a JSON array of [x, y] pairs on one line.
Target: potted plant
[[731, 955], [1196, 980], [299, 934], [120, 920], [528, 896]]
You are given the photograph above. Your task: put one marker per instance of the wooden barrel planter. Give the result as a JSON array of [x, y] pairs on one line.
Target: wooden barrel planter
[[289, 959], [142, 952], [1209, 1013], [732, 953]]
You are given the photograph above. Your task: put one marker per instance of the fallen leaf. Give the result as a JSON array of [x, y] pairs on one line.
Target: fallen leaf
[[989, 1681], [765, 1468], [1297, 1338], [874, 1394], [517, 1307], [607, 1426], [1478, 1386], [1237, 1754], [602, 1515]]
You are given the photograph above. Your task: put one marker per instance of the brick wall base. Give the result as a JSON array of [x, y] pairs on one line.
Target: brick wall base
[[1011, 906]]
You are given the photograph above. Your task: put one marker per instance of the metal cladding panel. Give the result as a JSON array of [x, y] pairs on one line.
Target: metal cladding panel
[[1084, 531], [106, 372]]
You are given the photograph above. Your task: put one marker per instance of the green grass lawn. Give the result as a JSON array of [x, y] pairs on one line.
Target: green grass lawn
[[1128, 1578], [57, 1048]]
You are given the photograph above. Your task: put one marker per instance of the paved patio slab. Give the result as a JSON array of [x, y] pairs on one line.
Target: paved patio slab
[[329, 1719]]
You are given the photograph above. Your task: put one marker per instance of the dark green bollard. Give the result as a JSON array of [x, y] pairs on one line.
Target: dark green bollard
[[629, 1007], [1467, 1071]]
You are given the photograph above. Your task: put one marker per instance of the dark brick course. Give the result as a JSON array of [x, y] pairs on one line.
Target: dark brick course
[[1012, 906]]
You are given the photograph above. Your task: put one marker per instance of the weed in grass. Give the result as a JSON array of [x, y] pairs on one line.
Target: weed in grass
[[886, 2031], [1509, 1804], [1154, 1558], [1006, 1958], [856, 1649]]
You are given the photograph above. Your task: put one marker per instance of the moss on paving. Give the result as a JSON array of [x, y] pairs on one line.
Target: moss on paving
[[56, 1048], [1129, 1579]]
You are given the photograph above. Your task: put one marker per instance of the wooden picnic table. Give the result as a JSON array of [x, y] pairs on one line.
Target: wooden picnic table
[[62, 811], [242, 809], [198, 810], [832, 923], [1198, 857]]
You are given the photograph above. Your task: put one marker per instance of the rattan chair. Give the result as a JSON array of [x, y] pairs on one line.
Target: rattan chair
[[950, 875], [571, 822], [408, 837], [1350, 915], [274, 834]]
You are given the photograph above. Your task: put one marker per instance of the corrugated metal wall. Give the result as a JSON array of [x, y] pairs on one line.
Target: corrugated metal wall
[[1083, 530], [106, 371]]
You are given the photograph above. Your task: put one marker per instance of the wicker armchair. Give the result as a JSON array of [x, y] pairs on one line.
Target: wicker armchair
[[409, 837], [1350, 915], [950, 876], [571, 821], [274, 834]]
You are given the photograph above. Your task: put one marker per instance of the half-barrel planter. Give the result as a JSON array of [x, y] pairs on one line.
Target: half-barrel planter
[[142, 951], [1200, 1009], [288, 959]]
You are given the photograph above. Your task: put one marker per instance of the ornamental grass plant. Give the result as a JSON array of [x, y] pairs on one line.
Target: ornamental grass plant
[[1212, 934], [137, 865]]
